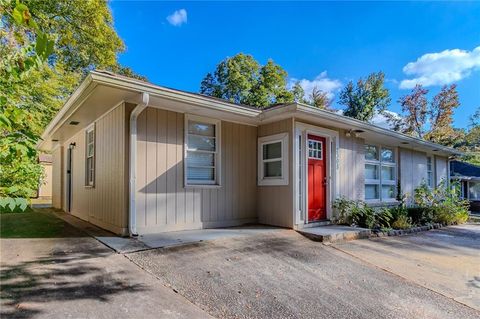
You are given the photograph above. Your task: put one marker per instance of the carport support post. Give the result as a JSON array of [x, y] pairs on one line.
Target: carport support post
[[132, 222]]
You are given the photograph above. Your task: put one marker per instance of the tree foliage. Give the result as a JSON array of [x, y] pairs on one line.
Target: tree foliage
[[320, 99], [414, 105], [440, 114], [21, 56], [470, 142], [365, 97], [47, 47], [242, 80]]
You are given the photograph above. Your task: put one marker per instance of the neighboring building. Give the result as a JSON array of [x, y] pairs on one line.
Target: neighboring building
[[44, 194], [469, 177], [133, 157]]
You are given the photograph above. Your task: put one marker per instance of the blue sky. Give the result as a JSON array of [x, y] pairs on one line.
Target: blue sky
[[319, 43]]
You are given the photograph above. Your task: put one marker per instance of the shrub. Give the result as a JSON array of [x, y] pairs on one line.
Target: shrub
[[441, 204], [420, 215], [383, 217], [342, 208], [402, 222], [351, 212]]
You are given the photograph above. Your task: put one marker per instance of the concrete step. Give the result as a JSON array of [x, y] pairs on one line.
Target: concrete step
[[334, 233], [315, 224]]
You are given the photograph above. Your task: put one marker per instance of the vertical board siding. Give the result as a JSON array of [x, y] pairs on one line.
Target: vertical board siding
[[105, 204], [413, 170], [57, 180], [275, 203], [351, 172], [441, 172], [164, 204]]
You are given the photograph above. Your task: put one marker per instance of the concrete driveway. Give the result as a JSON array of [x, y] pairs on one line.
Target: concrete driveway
[[75, 276], [445, 260], [284, 275]]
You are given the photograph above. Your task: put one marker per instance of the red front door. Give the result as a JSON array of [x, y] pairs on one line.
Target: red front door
[[317, 173]]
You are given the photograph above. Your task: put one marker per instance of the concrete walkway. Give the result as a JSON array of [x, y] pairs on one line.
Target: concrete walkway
[[177, 238], [163, 240]]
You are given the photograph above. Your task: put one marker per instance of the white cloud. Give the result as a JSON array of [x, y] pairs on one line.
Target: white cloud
[[379, 119], [321, 81], [178, 18], [441, 68]]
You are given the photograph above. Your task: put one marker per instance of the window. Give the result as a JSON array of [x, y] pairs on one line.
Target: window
[[90, 156], [315, 149], [202, 151], [429, 172], [272, 162], [474, 191], [380, 173]]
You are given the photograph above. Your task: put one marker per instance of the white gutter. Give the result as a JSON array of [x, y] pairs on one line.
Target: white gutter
[[132, 224]]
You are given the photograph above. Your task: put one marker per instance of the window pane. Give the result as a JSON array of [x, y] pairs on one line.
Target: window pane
[[387, 155], [90, 171], [198, 128], [272, 169], [90, 149], [371, 153], [201, 143], [272, 150], [388, 173], [200, 159], [430, 179], [200, 174], [371, 192], [474, 190], [371, 171], [90, 137], [388, 192]]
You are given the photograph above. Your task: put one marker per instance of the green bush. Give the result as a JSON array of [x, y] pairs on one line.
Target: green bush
[[402, 222], [441, 205], [420, 215], [383, 217], [358, 213]]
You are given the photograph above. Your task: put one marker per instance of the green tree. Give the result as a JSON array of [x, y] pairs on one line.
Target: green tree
[[21, 56], [241, 79], [365, 97], [81, 37], [298, 93], [83, 32], [471, 142]]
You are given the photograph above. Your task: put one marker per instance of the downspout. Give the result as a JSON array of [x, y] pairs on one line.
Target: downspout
[[132, 224]]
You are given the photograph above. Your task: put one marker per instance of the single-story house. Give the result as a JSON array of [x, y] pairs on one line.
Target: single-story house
[[468, 175], [135, 158]]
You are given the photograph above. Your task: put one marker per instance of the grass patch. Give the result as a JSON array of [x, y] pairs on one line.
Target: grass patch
[[33, 224]]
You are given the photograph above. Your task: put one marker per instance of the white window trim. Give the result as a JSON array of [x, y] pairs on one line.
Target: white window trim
[[321, 149], [432, 171], [379, 181], [277, 181], [218, 143], [301, 131], [88, 129]]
